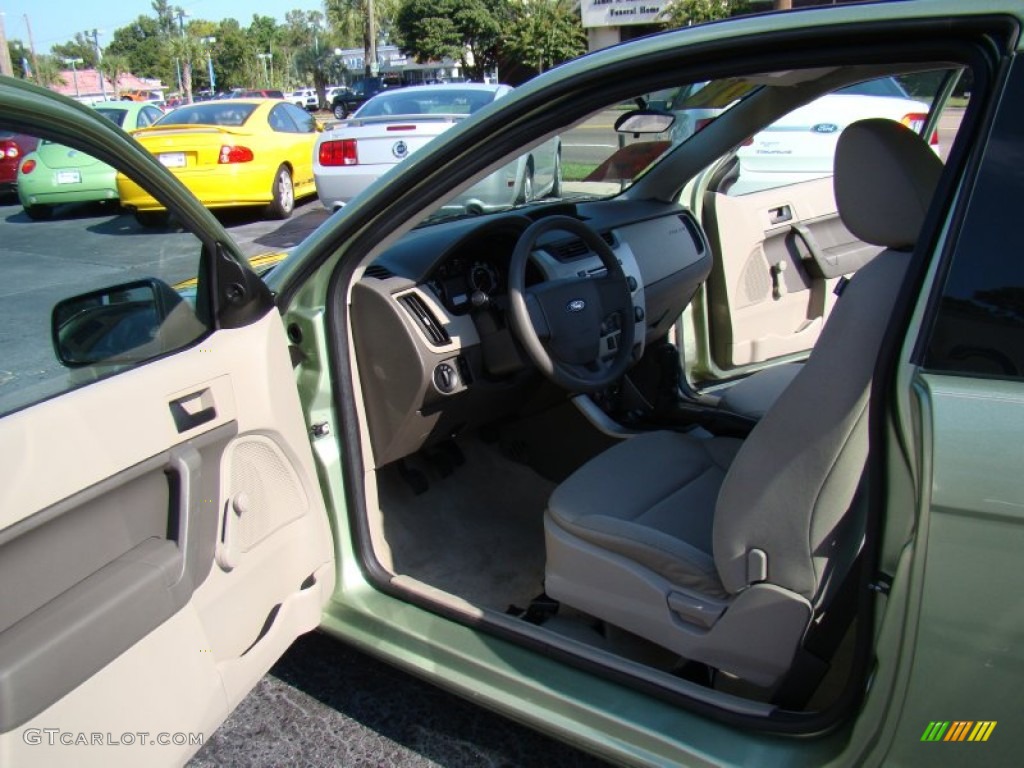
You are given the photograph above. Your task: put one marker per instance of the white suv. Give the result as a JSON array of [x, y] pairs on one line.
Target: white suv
[[305, 98]]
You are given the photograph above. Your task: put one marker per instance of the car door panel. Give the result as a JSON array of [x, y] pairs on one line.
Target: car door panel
[[779, 254], [128, 610]]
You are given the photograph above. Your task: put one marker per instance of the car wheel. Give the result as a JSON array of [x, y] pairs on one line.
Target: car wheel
[[152, 219], [526, 188], [283, 194], [38, 212], [340, 111]]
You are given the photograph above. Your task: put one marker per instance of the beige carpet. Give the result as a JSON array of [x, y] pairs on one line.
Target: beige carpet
[[477, 533]]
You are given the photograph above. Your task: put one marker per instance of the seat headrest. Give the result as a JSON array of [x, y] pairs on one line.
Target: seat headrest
[[885, 175]]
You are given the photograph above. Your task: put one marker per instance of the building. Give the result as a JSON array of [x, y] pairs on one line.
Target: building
[[391, 60], [84, 85]]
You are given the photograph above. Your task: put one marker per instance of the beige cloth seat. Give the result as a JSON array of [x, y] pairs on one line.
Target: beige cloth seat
[[723, 550]]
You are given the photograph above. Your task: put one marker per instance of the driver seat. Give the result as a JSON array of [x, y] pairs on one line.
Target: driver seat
[[724, 550]]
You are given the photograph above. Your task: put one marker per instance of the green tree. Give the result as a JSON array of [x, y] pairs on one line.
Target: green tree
[[234, 57], [682, 13], [112, 66], [544, 33], [80, 48], [47, 71], [467, 31], [142, 44]]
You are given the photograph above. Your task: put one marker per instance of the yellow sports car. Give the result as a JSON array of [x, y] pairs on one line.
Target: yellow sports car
[[241, 152]]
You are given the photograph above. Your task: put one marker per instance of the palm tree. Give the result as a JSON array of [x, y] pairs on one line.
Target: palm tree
[[112, 67]]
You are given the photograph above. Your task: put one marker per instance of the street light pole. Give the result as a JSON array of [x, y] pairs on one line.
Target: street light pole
[[209, 64], [74, 73], [263, 58]]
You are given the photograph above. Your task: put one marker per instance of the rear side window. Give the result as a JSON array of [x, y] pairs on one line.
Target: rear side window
[[979, 327]]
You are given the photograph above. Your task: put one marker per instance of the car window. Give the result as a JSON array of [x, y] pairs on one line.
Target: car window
[[883, 86], [304, 122], [800, 146], [116, 116], [209, 113], [148, 116], [280, 120], [63, 235], [979, 323], [439, 102]]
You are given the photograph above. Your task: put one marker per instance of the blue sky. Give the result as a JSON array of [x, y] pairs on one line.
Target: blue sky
[[57, 21]]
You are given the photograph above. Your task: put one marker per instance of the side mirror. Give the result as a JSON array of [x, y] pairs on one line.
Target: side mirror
[[120, 325]]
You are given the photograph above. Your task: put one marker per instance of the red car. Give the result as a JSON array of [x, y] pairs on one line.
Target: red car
[[13, 146]]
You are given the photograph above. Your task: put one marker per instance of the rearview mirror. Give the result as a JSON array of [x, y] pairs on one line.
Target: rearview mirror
[[114, 326], [644, 121]]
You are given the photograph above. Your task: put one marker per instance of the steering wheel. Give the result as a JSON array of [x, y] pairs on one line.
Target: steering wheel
[[578, 331]]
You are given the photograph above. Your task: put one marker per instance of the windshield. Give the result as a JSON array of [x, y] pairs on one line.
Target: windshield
[[593, 160]]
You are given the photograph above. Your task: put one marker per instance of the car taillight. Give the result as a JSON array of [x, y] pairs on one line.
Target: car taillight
[[341, 152], [229, 154], [401, 128], [915, 121], [28, 166], [10, 149]]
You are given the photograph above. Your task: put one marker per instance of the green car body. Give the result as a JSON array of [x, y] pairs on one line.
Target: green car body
[[937, 668], [59, 175]]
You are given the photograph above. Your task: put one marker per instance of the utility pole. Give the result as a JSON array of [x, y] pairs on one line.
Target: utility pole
[[5, 54], [32, 48], [99, 60]]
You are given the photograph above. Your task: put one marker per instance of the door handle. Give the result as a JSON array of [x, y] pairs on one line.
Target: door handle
[[193, 410], [780, 215]]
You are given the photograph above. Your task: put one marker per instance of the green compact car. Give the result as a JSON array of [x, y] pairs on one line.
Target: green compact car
[[677, 474], [56, 174]]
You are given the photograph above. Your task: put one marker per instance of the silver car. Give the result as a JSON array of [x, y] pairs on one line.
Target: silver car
[[393, 125]]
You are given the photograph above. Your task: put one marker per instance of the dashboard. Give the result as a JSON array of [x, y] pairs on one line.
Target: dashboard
[[431, 316]]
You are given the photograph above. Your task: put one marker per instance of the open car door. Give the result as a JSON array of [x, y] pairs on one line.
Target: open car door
[[163, 538], [770, 213]]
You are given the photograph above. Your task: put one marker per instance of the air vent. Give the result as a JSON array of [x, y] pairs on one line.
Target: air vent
[[570, 250], [378, 272], [415, 306]]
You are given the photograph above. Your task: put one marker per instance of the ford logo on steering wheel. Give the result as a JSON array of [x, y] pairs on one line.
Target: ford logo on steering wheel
[[576, 305]]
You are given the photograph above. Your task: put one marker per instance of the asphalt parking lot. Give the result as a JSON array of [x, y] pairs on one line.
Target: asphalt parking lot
[[326, 704]]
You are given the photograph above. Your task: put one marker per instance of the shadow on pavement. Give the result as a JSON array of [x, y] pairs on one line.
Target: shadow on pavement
[[325, 703]]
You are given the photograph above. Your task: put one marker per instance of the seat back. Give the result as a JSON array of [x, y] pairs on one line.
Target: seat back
[[783, 515]]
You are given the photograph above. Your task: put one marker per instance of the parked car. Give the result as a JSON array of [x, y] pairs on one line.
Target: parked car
[[346, 101], [56, 174], [239, 152], [801, 145], [255, 93], [504, 451], [305, 98], [13, 147], [393, 125]]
